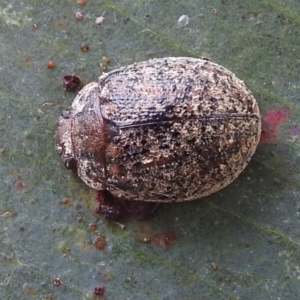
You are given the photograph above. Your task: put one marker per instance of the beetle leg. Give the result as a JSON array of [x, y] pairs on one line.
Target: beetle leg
[[114, 208], [108, 206]]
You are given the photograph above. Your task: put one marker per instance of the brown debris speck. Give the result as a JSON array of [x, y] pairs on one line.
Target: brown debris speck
[[225, 279], [47, 104], [71, 82], [66, 201], [79, 15], [100, 243], [81, 2], [85, 47], [93, 226], [6, 215], [57, 281], [33, 27], [50, 64], [99, 290], [59, 25], [105, 59]]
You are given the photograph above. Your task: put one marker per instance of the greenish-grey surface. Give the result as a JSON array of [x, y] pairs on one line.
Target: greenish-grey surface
[[240, 243]]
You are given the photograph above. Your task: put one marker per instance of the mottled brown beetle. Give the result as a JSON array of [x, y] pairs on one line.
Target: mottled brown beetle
[[163, 130]]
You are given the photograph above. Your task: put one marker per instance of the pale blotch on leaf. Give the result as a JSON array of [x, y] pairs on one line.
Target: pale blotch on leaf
[[183, 21]]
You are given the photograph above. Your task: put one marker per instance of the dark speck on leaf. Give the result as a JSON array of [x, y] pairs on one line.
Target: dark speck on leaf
[[71, 82]]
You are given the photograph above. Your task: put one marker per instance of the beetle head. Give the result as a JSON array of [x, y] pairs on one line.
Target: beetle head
[[80, 138]]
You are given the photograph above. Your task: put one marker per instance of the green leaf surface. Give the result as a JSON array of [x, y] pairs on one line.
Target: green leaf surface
[[240, 243]]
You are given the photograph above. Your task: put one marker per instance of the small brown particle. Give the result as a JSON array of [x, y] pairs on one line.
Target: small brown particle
[[214, 266], [66, 201], [33, 27], [214, 11], [100, 243], [47, 104], [106, 206], [99, 290], [59, 24], [51, 64], [57, 281], [81, 2], [84, 47], [71, 82], [6, 215], [19, 184], [105, 59], [79, 15], [224, 279], [93, 226], [27, 59]]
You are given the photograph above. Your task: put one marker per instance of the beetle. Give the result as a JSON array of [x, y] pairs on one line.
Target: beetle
[[163, 130]]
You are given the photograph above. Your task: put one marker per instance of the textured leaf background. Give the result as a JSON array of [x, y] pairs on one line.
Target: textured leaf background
[[240, 243]]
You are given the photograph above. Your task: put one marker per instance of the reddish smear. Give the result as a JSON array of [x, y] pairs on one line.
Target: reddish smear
[[270, 123]]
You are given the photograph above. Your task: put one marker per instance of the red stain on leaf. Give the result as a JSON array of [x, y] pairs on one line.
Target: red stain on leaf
[[270, 122]]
